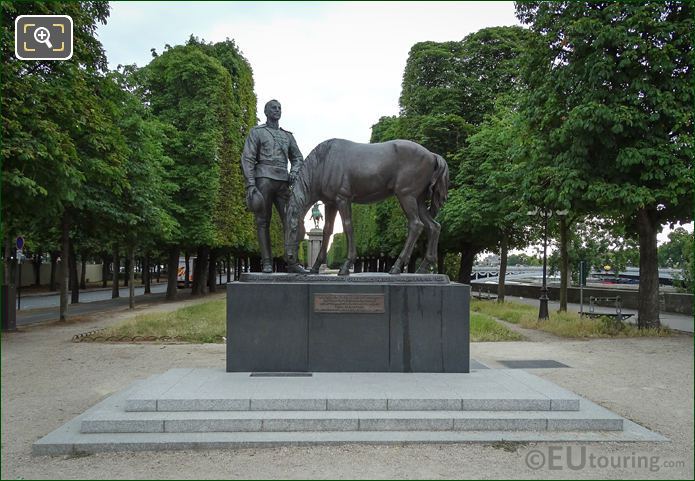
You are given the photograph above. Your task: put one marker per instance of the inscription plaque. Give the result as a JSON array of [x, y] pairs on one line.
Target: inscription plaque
[[349, 303]]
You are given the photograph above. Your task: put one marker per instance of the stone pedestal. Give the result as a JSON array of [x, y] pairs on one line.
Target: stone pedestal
[[314, 245], [360, 323]]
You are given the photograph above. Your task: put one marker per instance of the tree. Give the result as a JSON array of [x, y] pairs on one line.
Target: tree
[[677, 253], [235, 227], [337, 253], [486, 209], [52, 126], [599, 243], [524, 260], [610, 103], [448, 90], [191, 91]]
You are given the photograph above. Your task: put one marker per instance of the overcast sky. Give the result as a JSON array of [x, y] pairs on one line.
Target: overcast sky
[[336, 67]]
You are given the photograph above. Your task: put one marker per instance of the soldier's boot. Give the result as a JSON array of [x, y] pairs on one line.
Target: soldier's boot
[[267, 266], [264, 242], [296, 268]]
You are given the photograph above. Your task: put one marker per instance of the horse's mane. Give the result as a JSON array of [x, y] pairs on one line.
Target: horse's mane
[[301, 188]]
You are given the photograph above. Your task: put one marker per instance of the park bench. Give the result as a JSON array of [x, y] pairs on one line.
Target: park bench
[[485, 296], [618, 314]]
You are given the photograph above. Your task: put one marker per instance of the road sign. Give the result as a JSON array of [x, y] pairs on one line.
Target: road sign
[[20, 243]]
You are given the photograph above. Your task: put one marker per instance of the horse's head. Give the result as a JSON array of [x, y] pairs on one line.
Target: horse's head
[[294, 227]]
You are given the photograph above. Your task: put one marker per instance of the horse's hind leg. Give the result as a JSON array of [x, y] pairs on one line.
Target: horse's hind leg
[[327, 231], [345, 209], [433, 228], [409, 204]]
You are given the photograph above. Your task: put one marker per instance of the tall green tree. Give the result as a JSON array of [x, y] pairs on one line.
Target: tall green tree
[[192, 92], [449, 89], [486, 208], [235, 228], [56, 138], [205, 91], [610, 102]]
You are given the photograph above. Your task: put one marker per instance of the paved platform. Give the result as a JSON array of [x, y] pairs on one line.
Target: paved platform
[[209, 408], [216, 390]]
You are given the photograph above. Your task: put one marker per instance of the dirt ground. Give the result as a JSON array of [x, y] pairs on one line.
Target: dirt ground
[[47, 380]]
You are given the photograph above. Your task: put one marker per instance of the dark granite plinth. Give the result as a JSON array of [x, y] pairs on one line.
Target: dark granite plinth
[[359, 323], [360, 278]]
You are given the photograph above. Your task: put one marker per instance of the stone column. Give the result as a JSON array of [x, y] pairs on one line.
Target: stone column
[[315, 240]]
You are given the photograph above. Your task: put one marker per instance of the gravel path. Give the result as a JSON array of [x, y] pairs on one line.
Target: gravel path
[[47, 380]]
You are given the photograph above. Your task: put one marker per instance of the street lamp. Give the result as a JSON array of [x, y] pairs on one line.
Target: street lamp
[[545, 215]]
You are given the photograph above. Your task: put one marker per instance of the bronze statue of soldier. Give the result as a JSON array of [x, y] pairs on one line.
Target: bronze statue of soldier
[[267, 150]]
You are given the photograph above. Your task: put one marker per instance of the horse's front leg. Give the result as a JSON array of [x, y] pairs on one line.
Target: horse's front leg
[[327, 231], [345, 209]]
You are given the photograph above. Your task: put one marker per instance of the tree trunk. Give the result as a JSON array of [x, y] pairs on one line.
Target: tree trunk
[[104, 268], [159, 269], [83, 273], [115, 292], [187, 280], [172, 272], [5, 262], [74, 280], [648, 298], [229, 267], [504, 249], [564, 262], [212, 271], [468, 253], [440, 262], [127, 266], [146, 274], [37, 269], [130, 274], [64, 270], [52, 282], [200, 272], [254, 264]]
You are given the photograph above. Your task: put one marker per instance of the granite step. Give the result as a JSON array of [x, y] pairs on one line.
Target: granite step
[[374, 427], [68, 441], [216, 390], [589, 418]]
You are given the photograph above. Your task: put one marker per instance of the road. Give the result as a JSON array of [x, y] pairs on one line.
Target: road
[[36, 301], [45, 308]]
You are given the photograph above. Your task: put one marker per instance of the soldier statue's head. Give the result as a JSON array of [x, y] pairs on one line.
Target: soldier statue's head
[[273, 110]]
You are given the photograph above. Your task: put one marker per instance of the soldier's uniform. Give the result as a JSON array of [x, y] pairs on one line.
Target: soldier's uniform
[[264, 163]]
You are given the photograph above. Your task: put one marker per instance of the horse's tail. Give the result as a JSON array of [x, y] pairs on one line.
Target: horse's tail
[[439, 185]]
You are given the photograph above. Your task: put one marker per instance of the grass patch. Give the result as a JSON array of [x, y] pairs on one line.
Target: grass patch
[[199, 323], [564, 324], [205, 323], [486, 329]]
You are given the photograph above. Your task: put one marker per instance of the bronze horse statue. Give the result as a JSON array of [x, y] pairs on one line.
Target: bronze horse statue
[[339, 172]]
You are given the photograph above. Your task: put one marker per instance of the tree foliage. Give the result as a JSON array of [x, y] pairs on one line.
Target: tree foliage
[[609, 111], [136, 158], [449, 90]]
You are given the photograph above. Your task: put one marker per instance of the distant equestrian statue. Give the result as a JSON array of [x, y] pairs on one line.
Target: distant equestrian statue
[[339, 172], [316, 215]]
